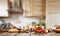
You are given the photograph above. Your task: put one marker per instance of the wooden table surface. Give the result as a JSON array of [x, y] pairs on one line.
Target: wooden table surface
[[32, 34]]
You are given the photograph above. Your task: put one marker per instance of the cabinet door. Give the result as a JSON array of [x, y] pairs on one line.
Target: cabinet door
[[52, 13], [37, 7], [26, 7], [34, 7], [3, 8], [53, 6]]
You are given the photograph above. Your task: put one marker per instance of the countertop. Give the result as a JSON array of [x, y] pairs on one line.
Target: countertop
[[28, 34]]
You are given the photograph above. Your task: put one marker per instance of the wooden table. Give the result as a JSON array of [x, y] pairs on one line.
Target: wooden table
[[28, 34]]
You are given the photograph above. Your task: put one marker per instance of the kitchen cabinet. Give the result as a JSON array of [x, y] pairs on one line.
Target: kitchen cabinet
[[15, 6], [3, 8], [34, 8], [53, 6], [26, 7], [52, 13]]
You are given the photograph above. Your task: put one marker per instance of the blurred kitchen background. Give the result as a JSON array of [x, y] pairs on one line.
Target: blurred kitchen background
[[24, 15], [21, 12]]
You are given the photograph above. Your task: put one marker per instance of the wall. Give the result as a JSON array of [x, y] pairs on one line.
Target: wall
[[19, 20], [52, 20], [52, 13], [3, 8]]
